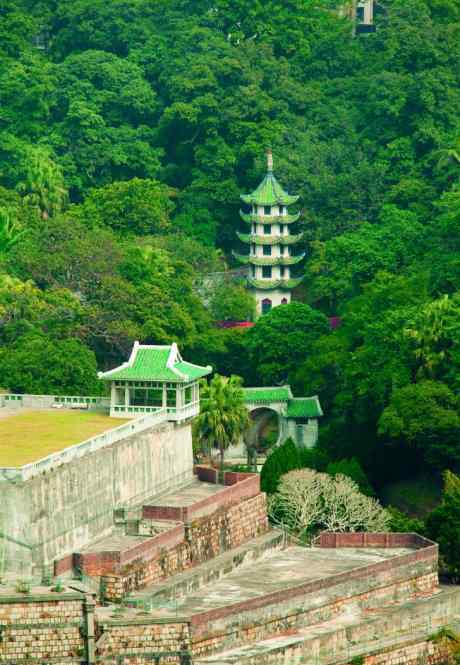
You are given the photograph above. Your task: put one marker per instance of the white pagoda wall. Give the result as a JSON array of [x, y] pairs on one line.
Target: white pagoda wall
[[276, 296]]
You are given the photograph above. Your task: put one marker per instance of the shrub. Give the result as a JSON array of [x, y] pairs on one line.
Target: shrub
[[308, 501], [443, 526], [353, 469], [286, 458]]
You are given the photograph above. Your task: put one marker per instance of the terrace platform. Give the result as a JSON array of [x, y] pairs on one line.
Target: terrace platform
[[278, 571], [29, 435]]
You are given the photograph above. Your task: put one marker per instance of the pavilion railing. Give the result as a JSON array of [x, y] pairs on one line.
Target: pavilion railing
[[174, 413]]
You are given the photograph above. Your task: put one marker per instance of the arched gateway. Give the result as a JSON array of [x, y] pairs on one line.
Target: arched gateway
[[297, 416]]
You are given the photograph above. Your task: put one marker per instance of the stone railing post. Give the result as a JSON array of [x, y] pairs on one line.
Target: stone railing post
[[90, 647]]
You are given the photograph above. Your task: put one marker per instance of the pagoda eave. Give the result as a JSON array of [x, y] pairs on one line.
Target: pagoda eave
[[269, 240], [251, 218], [268, 260], [272, 284], [286, 200]]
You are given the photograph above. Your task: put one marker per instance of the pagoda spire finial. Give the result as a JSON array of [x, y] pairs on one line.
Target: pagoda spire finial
[[269, 160]]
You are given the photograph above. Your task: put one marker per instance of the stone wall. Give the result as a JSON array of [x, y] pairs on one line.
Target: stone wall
[[62, 511], [205, 538], [418, 653], [45, 627], [143, 641], [314, 602]]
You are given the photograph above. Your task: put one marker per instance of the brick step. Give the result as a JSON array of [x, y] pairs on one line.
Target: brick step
[[351, 635], [207, 573]]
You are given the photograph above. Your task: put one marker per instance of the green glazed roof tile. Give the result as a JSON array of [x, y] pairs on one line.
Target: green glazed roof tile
[[269, 193], [304, 407], [269, 394], [156, 363]]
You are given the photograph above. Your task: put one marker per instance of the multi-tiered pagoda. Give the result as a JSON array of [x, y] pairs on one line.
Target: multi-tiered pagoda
[[270, 242]]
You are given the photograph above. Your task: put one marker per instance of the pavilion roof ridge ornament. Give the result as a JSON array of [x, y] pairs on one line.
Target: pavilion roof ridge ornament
[[173, 358], [156, 363]]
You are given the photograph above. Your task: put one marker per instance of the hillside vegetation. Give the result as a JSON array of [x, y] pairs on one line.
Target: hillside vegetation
[[129, 128]]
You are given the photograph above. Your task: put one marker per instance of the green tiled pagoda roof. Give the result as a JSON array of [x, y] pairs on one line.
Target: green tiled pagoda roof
[[156, 363], [250, 218], [270, 284], [268, 260], [304, 407], [269, 394], [268, 240], [269, 193]]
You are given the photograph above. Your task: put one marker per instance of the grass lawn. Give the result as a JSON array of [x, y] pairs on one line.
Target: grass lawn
[[29, 436]]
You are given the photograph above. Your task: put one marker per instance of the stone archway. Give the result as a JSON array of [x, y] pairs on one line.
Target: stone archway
[[263, 419]]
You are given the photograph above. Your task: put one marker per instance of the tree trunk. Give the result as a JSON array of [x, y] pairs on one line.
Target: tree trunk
[[222, 455]]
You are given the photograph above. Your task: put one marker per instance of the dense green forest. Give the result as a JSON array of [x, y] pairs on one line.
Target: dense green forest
[[129, 128]]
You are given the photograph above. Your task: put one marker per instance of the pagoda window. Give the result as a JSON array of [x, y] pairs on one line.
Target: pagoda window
[[266, 305], [281, 271], [267, 250], [266, 272], [267, 210], [267, 229], [253, 271], [284, 301], [254, 230], [281, 209]]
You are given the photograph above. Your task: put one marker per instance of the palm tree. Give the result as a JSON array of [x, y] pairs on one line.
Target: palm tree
[[449, 156], [223, 416], [10, 231], [43, 187]]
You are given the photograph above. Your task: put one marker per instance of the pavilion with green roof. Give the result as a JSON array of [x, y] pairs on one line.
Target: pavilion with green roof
[[155, 377], [270, 241]]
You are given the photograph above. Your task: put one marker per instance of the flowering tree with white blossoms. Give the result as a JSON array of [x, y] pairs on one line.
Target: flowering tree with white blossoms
[[308, 501]]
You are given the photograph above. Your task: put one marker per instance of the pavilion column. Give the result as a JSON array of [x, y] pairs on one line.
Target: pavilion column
[[126, 396], [113, 394], [164, 400], [178, 397]]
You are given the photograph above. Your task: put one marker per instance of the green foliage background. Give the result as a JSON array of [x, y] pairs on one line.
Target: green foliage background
[[129, 128]]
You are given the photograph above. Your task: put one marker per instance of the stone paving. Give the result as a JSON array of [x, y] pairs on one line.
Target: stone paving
[[277, 571], [188, 495]]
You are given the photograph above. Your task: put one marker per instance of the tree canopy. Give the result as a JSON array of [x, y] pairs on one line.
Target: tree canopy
[[128, 130]]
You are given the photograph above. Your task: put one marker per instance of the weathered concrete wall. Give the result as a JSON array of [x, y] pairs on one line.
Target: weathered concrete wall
[[62, 511]]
